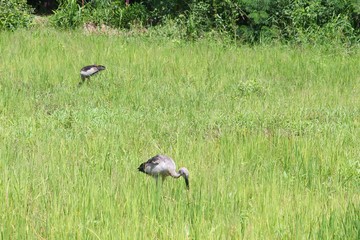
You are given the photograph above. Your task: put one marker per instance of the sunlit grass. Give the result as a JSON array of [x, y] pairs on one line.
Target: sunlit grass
[[268, 133]]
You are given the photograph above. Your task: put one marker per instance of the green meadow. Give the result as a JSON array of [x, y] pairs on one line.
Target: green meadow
[[269, 133]]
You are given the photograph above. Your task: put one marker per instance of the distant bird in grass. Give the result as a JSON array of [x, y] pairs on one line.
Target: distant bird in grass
[[88, 71], [163, 166]]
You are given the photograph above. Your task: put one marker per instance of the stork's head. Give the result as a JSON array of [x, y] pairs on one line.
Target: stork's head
[[100, 67], [141, 168], [185, 174]]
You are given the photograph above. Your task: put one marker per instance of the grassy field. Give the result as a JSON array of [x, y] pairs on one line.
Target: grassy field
[[270, 135]]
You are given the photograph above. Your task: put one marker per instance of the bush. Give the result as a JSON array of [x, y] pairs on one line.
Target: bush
[[317, 20], [101, 12], [14, 14], [113, 13], [68, 15], [125, 17], [197, 20], [304, 21]]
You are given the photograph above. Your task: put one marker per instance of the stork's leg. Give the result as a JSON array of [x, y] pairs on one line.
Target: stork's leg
[[82, 81], [163, 178], [157, 181]]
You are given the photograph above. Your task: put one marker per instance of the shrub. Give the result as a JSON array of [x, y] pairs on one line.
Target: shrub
[[14, 14], [317, 20], [68, 15], [101, 12], [114, 13], [125, 17], [197, 20], [304, 21]]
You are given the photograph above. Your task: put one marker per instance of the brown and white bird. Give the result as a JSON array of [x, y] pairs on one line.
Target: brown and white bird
[[163, 166], [90, 70]]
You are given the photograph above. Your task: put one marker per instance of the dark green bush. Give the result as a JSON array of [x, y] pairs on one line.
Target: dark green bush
[[304, 21], [319, 20], [125, 17], [113, 13], [101, 12], [197, 20], [69, 15], [14, 14], [159, 10]]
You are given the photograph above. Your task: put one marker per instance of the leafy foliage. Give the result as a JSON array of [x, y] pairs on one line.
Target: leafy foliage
[[299, 21], [310, 20], [114, 13], [69, 15], [263, 20], [99, 12], [14, 14], [125, 17]]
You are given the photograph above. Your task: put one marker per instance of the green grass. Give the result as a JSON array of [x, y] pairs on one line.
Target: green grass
[[270, 135]]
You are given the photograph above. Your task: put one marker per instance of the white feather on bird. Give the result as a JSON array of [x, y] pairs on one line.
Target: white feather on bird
[[163, 166]]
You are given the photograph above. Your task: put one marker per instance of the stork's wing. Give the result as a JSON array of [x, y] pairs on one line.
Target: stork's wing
[[155, 160], [87, 68], [152, 162], [89, 71]]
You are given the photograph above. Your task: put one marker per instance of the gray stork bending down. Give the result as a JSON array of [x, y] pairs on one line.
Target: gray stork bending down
[[161, 165], [88, 71]]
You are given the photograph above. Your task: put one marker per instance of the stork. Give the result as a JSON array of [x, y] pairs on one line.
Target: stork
[[90, 70], [161, 165]]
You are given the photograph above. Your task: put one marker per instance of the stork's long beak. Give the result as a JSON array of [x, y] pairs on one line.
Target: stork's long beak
[[187, 182], [141, 168]]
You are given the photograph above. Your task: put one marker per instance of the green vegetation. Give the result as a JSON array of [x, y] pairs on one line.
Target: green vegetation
[[245, 20], [268, 133], [14, 14], [299, 21]]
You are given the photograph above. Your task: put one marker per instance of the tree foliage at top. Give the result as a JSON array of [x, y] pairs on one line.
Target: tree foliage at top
[[14, 14], [247, 20]]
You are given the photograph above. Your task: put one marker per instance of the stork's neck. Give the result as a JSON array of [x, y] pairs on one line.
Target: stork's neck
[[175, 174]]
